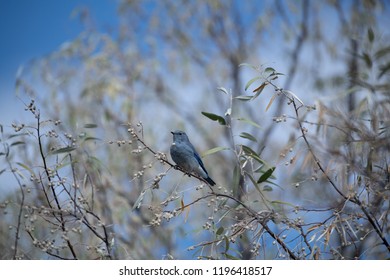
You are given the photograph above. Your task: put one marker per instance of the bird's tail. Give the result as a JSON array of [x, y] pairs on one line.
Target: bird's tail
[[210, 181]]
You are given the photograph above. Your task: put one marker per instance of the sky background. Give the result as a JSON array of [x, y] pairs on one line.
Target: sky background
[[32, 29]]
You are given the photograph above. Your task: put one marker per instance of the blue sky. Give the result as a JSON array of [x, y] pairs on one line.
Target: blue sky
[[32, 29]]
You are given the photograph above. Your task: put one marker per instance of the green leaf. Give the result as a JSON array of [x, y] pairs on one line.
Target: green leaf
[[269, 69], [17, 171], [267, 188], [251, 81], [248, 136], [370, 35], [90, 138], [227, 243], [214, 117], [17, 135], [249, 122], [382, 52], [244, 97], [90, 125], [248, 150], [247, 65], [367, 60], [25, 167], [236, 179], [63, 150], [214, 150], [138, 202], [222, 89], [289, 92], [251, 153], [18, 143], [220, 231], [266, 175]]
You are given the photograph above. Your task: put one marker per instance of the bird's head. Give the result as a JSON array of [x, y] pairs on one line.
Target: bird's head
[[179, 135]]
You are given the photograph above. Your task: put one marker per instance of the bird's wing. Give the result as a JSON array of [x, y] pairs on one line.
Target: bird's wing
[[196, 155]]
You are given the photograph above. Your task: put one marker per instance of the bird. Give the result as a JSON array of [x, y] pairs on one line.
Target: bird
[[185, 156]]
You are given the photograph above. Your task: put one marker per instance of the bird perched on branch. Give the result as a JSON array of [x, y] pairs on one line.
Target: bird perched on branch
[[185, 156]]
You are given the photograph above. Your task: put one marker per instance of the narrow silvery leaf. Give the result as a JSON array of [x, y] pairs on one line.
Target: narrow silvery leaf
[[293, 95], [222, 89]]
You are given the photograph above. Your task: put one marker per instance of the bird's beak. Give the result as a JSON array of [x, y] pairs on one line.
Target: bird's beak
[[172, 132]]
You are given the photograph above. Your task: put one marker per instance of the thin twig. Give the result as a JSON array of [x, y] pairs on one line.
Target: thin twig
[[354, 199], [46, 169], [17, 233]]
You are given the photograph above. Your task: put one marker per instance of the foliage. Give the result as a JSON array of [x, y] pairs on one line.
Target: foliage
[[94, 182]]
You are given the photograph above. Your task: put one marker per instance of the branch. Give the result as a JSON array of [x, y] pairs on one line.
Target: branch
[[61, 218], [354, 199], [162, 157], [16, 243], [263, 224]]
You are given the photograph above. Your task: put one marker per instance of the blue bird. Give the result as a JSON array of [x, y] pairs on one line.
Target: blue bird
[[185, 156]]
